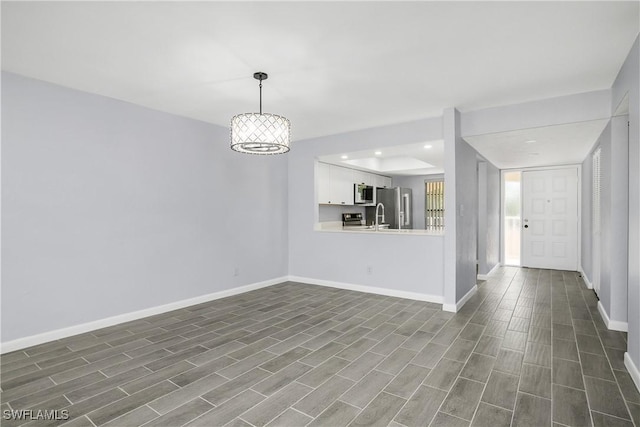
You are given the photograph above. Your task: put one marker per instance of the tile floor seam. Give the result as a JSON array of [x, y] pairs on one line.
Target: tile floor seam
[[100, 407], [92, 423], [127, 394], [612, 416], [308, 415], [436, 415], [159, 414], [201, 415], [481, 394], [578, 351], [515, 401], [284, 410], [553, 401], [606, 355], [484, 387], [353, 406], [262, 394], [242, 419], [459, 373]]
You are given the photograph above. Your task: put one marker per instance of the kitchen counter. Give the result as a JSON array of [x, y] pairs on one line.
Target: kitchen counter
[[337, 227]]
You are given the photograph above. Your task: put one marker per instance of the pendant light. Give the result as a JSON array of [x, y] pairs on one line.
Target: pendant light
[[260, 133]]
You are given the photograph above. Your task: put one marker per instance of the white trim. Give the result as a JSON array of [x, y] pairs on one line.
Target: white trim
[[486, 276], [579, 207], [587, 283], [454, 308], [543, 168], [32, 340], [614, 325], [633, 369], [437, 299]]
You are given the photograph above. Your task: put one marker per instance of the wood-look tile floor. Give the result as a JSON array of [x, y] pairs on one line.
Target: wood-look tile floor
[[528, 349]]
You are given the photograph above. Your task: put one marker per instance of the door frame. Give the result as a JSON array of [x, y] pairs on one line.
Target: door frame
[[578, 168]]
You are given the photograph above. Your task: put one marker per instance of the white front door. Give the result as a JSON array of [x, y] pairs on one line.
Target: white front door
[[550, 219]]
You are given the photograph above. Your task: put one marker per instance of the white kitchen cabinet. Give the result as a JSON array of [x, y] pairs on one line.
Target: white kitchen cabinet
[[370, 179], [360, 177], [382, 181], [342, 181], [334, 184], [323, 183]]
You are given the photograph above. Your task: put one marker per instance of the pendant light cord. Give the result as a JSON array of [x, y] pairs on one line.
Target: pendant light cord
[[260, 96]]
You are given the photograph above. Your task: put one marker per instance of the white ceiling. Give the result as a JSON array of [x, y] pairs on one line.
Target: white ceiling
[[425, 158], [333, 66], [544, 146]]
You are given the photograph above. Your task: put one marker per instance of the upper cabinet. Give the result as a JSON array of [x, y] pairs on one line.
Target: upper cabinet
[[361, 177], [341, 185], [323, 182], [382, 181], [335, 184]]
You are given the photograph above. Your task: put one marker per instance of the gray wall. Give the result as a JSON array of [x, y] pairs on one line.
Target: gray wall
[[620, 170], [460, 210], [334, 212], [614, 218], [467, 208], [488, 217], [407, 263], [618, 229], [628, 81], [109, 208]]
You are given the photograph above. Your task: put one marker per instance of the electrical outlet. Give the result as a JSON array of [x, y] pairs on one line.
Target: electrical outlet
[[369, 269], [236, 271]]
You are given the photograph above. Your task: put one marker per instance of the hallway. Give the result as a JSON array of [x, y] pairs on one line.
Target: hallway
[[569, 355]]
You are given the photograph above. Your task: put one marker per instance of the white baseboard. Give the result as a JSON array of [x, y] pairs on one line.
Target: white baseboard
[[614, 325], [57, 334], [585, 278], [454, 308], [486, 276], [633, 369], [369, 289]]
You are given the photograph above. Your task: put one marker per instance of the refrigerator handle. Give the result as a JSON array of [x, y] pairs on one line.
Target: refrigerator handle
[[407, 209]]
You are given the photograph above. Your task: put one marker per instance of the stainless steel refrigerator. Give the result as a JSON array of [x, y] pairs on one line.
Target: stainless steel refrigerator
[[397, 203]]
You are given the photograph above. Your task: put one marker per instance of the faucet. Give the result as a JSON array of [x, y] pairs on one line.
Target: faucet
[[378, 206]]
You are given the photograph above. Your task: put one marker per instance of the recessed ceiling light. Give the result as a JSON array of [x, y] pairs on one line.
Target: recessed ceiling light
[[531, 141], [427, 146], [344, 156], [378, 153]]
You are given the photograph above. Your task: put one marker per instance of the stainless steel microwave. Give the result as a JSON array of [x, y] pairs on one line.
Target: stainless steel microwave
[[362, 194]]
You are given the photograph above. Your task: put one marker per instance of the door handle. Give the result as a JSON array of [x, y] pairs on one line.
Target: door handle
[[526, 226]]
